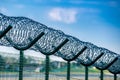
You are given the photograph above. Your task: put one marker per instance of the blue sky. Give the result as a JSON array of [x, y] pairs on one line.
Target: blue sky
[[95, 21]]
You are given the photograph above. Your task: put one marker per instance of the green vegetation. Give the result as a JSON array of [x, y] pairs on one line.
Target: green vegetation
[[2, 63], [77, 69], [11, 64]]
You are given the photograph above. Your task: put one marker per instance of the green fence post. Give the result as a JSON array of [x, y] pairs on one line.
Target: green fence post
[[101, 74], [47, 57], [86, 72], [115, 76], [68, 70], [106, 67], [47, 67], [86, 65], [21, 49], [69, 60], [21, 65]]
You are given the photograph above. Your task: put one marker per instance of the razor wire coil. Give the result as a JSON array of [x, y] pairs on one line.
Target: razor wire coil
[[25, 28]]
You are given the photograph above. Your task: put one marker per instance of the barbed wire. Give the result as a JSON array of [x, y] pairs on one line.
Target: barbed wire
[[24, 28]]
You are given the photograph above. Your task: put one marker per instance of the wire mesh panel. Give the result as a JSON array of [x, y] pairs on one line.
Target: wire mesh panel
[[33, 68], [9, 66], [55, 73]]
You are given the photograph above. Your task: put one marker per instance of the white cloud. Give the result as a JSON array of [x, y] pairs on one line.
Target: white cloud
[[63, 15], [3, 10]]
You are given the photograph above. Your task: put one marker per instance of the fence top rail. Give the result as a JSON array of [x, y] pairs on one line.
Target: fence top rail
[[25, 28]]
